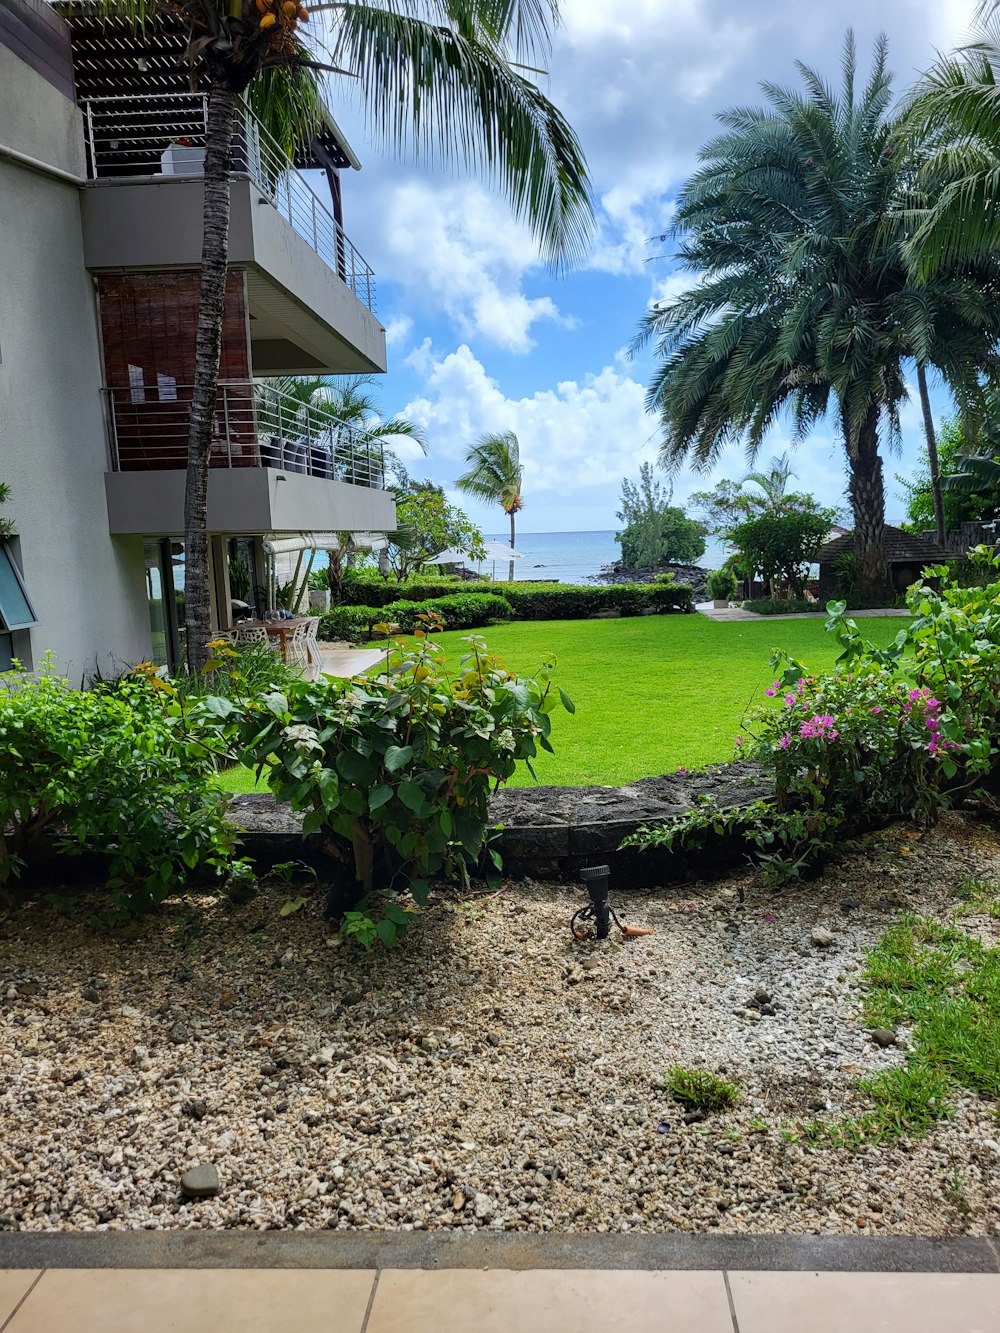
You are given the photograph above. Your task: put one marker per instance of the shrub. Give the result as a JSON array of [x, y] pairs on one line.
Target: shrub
[[350, 623], [896, 732], [116, 772], [780, 606], [459, 611], [399, 771], [721, 585], [700, 1089], [563, 601], [370, 590]]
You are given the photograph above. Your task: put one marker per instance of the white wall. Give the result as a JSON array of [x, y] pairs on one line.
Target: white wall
[[88, 589]]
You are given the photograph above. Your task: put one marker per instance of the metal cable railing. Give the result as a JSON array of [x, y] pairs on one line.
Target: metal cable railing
[[164, 135], [255, 425]]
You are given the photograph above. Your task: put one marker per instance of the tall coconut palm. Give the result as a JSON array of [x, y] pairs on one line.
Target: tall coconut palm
[[806, 305], [449, 77], [495, 475]]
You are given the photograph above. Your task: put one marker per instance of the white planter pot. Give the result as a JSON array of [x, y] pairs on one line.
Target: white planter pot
[[319, 599], [180, 160], [720, 604]]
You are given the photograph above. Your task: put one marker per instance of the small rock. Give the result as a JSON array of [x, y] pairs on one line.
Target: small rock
[[312, 1119], [883, 1037], [590, 964], [140, 1054], [352, 997], [484, 1207], [91, 994], [201, 1182], [850, 905], [197, 1110], [821, 937], [768, 1010], [493, 1039], [179, 1034], [457, 1201], [694, 1117], [762, 996]]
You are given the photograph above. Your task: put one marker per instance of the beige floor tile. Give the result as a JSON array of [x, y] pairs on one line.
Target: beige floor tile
[[14, 1282], [866, 1302], [549, 1301], [205, 1300]]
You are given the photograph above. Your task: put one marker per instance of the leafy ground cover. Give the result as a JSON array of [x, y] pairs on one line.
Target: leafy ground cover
[[652, 693]]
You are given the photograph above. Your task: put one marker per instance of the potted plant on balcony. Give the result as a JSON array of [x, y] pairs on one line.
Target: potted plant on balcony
[[319, 590], [182, 157]]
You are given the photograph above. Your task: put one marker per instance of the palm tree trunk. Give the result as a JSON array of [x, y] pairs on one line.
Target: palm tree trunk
[[510, 574], [932, 453], [867, 494], [222, 104]]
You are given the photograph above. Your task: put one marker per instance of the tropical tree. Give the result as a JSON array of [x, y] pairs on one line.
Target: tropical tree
[[345, 410], [654, 531], [449, 77], [797, 224], [426, 525], [495, 474]]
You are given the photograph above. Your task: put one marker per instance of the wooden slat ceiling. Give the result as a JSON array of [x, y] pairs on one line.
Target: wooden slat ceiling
[[111, 59]]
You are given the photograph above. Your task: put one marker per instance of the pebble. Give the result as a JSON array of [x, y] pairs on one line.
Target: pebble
[[201, 1182], [821, 937], [883, 1037]]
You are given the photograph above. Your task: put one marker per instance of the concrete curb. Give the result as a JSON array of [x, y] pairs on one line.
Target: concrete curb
[[509, 1251]]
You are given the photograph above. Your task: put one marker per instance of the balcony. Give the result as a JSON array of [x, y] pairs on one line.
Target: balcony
[[310, 292], [277, 465]]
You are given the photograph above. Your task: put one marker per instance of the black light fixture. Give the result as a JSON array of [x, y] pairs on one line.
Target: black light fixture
[[598, 882]]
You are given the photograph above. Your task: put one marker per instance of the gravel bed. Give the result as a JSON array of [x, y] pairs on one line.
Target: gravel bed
[[490, 1073]]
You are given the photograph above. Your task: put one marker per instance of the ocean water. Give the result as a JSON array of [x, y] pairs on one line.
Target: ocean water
[[571, 557]]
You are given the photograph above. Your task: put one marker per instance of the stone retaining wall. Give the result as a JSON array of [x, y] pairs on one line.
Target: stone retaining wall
[[553, 831]]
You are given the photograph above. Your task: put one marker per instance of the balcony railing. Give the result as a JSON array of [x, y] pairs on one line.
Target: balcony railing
[[138, 136], [255, 425]]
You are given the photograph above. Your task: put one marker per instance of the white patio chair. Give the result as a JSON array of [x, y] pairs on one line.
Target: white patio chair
[[297, 651], [251, 634]]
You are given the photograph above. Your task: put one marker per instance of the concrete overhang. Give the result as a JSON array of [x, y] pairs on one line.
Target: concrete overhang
[[304, 318], [245, 501]]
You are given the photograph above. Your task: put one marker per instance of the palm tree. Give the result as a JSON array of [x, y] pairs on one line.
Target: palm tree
[[495, 475], [796, 224], [345, 409], [451, 81], [955, 115]]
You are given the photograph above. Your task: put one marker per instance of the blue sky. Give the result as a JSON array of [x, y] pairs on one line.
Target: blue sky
[[482, 337]]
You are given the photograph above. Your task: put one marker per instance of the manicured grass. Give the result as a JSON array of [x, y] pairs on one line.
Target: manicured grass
[[652, 693]]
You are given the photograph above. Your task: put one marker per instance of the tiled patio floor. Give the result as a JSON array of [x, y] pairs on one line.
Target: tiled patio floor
[[214, 1300]]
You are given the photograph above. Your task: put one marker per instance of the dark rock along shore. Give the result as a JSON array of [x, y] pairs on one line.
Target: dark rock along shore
[[693, 575]]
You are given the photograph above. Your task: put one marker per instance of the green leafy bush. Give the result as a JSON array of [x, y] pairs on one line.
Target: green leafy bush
[[780, 606], [370, 590], [721, 585], [895, 732], [113, 772], [459, 611], [564, 601], [398, 769]]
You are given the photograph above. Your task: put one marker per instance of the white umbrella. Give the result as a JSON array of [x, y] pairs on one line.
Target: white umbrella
[[495, 551]]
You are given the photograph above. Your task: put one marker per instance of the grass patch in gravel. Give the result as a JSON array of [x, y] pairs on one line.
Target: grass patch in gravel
[[944, 983], [700, 1089]]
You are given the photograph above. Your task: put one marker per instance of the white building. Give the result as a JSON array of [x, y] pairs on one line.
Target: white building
[[100, 245]]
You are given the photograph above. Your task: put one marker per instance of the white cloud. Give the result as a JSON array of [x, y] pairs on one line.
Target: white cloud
[[397, 330], [578, 435]]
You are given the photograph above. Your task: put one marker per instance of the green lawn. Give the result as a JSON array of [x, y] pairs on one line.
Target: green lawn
[[652, 693]]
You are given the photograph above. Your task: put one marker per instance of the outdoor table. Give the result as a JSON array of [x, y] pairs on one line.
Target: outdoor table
[[277, 629]]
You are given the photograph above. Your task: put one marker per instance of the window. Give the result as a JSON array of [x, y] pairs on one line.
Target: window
[[137, 387], [16, 611]]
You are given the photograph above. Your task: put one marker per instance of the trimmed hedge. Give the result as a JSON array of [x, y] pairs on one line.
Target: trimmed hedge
[[357, 590], [461, 611], [522, 601], [781, 606], [565, 601]]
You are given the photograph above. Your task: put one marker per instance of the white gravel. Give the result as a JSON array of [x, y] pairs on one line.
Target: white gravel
[[489, 1073]]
